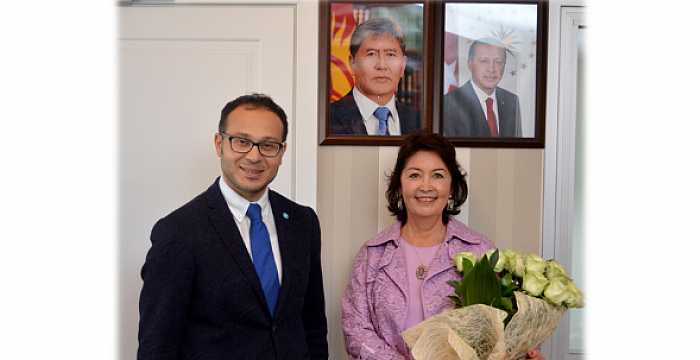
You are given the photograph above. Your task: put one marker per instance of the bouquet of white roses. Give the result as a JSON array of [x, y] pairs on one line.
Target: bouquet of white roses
[[507, 303]]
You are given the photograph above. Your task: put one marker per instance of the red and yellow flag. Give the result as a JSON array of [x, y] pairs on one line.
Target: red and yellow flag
[[342, 26]]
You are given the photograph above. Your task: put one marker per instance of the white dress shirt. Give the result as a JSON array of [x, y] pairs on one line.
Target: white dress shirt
[[482, 101], [239, 206], [367, 107]]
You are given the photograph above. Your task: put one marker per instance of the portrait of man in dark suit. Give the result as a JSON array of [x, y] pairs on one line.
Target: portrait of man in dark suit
[[378, 60], [480, 108], [236, 272]]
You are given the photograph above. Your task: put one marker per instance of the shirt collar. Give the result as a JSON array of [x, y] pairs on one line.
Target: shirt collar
[[238, 204], [455, 230], [481, 94], [367, 106]]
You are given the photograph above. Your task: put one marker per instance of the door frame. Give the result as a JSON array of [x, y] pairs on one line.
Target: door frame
[[560, 152], [304, 128]]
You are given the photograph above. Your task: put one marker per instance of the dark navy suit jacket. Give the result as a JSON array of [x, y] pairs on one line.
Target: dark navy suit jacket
[[463, 116], [201, 298], [346, 118]]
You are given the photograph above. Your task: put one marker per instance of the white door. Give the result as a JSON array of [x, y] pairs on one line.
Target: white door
[[178, 66]]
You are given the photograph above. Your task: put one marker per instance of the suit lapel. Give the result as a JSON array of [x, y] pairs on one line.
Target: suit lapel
[[282, 214], [222, 220], [505, 122], [409, 119], [355, 117]]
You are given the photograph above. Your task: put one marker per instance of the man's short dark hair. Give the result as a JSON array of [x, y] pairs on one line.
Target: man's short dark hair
[[255, 101], [438, 145], [486, 41], [376, 27]]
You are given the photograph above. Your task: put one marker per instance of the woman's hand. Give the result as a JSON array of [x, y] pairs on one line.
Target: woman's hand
[[535, 354]]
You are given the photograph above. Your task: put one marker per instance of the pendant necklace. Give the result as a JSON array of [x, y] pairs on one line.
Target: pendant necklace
[[421, 270]]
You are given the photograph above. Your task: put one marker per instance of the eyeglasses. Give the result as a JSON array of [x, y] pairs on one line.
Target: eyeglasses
[[243, 145]]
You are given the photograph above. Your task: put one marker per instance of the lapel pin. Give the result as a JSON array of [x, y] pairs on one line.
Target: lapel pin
[[285, 216]]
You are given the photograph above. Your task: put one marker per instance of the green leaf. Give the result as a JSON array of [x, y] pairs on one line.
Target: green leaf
[[466, 266], [507, 279], [458, 295], [481, 285], [494, 259], [456, 300], [454, 283], [506, 304], [507, 285]]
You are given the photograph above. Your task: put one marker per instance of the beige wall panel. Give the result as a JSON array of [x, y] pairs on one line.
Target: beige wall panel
[[527, 225], [506, 196], [463, 158], [482, 191], [387, 161], [348, 211]]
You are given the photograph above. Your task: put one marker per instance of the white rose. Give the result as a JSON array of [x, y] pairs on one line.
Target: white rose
[[555, 270], [535, 264], [575, 297], [516, 265], [556, 291], [459, 257], [502, 259], [534, 283]]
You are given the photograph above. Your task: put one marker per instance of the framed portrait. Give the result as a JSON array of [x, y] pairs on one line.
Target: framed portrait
[[374, 86], [492, 73]]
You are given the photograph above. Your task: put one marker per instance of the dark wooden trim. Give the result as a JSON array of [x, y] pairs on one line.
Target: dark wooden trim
[[428, 63], [433, 58], [324, 10], [438, 68]]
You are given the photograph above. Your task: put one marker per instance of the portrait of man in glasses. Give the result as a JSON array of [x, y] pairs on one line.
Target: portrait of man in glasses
[[236, 272]]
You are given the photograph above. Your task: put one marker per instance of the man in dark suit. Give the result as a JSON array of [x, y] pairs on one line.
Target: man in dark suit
[[480, 108], [236, 272], [378, 61]]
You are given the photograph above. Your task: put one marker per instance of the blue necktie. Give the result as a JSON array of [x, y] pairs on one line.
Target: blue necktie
[[382, 114], [262, 257]]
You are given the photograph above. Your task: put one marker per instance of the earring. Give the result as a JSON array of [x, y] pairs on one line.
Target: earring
[[450, 203], [400, 205]]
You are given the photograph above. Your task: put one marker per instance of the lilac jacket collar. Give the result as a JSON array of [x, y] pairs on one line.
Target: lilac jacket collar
[[375, 303], [457, 237]]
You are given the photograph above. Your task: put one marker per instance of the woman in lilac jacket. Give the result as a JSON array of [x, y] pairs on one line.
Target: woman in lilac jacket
[[399, 278]]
